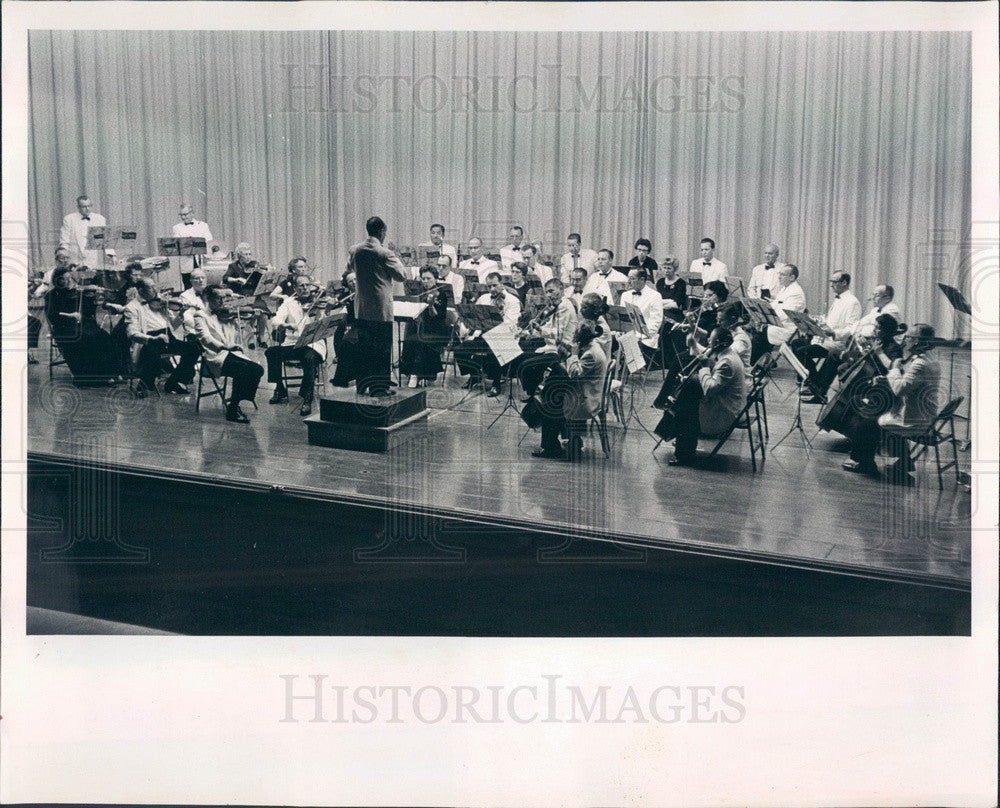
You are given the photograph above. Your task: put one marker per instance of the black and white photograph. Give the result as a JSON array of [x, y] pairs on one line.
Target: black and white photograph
[[421, 380]]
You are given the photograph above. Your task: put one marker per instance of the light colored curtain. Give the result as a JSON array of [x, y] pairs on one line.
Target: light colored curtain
[[850, 150]]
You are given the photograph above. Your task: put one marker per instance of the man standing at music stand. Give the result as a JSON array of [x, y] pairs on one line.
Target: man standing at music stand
[[73, 234], [189, 227], [376, 266]]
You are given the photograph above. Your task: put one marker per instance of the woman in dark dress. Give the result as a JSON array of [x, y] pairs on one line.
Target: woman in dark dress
[[426, 336], [86, 347], [672, 287]]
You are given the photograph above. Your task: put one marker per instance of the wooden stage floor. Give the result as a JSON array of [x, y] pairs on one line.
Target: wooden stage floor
[[798, 510]]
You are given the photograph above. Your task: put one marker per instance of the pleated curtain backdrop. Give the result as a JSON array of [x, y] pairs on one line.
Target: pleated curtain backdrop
[[850, 150]]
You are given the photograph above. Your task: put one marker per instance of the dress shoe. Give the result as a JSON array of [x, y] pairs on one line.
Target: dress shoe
[[859, 468], [236, 415], [681, 460], [471, 383], [549, 453], [278, 397], [306, 409], [494, 391], [176, 387]]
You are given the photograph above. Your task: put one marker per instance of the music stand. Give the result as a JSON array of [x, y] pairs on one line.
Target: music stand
[[427, 254], [319, 329], [617, 288], [806, 324], [618, 320], [502, 342], [802, 374], [761, 313], [634, 362]]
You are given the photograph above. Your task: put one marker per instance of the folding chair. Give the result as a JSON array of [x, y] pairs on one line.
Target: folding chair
[[601, 418], [205, 371], [53, 350], [941, 430], [762, 371], [745, 420]]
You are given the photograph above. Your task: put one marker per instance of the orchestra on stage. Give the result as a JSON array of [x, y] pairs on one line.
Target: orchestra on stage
[[571, 330]]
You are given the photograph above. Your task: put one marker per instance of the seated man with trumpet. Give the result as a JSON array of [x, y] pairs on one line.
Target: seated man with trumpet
[[218, 335], [154, 330], [86, 347], [914, 381], [293, 314], [572, 394], [540, 336], [473, 355], [426, 336], [707, 396]]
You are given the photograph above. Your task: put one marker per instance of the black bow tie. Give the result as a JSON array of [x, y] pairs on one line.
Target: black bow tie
[[476, 261], [706, 263], [85, 218], [768, 266]]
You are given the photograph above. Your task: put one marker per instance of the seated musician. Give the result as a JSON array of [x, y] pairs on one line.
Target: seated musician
[[914, 380], [820, 356], [86, 347], [644, 298], [572, 396], [789, 296], [154, 331], [473, 356], [604, 275], [217, 332], [578, 280], [519, 282], [708, 400], [729, 317], [426, 336], [345, 338], [193, 298], [288, 323], [123, 288], [529, 253], [672, 287], [239, 270], [447, 275], [297, 267], [594, 309], [642, 258], [555, 323]]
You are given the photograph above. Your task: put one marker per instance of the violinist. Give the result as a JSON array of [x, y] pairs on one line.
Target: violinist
[[218, 334], [85, 346], [426, 336], [289, 321], [239, 270], [571, 398], [345, 338], [193, 298], [153, 331], [578, 281], [473, 356], [914, 380], [711, 393], [555, 323], [297, 267], [446, 275]]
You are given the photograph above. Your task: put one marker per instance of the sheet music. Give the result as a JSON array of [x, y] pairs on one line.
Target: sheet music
[[406, 310], [630, 350], [502, 340], [635, 315], [793, 360]]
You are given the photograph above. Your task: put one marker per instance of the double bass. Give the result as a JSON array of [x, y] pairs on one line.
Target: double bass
[[863, 394]]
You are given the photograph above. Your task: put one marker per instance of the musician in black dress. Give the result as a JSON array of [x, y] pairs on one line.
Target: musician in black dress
[[671, 286], [86, 347], [345, 338], [426, 336], [642, 259], [519, 282]]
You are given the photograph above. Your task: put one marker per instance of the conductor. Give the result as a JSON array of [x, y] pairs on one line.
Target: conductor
[[376, 266]]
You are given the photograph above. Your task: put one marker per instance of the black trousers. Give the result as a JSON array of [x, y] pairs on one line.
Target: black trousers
[[310, 360], [554, 426], [34, 330], [867, 439], [759, 346], [685, 424], [374, 355], [245, 375], [150, 363], [475, 357], [90, 354], [531, 367]]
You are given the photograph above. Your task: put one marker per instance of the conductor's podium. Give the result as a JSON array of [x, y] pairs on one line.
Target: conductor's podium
[[364, 424]]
